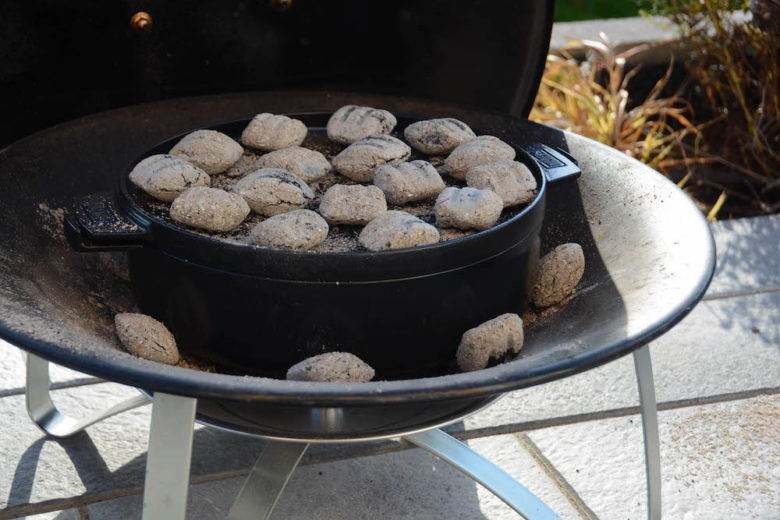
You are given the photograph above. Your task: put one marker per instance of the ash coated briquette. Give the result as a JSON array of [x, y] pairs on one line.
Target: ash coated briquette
[[145, 337], [467, 208], [438, 136], [360, 160], [559, 272], [209, 208], [333, 367], [301, 229], [351, 123], [484, 149], [408, 181], [493, 339], [510, 180], [245, 164], [273, 132], [352, 204], [397, 230], [165, 177], [308, 165], [271, 191], [211, 151]]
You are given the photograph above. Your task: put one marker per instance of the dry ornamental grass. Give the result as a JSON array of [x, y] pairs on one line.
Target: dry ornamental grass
[[717, 135]]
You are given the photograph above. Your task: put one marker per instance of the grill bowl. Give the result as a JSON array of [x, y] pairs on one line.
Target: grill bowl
[[648, 249]]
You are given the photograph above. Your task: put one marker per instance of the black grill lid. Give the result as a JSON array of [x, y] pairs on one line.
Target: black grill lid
[[66, 59]]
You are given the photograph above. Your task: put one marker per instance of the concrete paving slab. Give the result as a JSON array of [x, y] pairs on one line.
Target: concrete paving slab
[[724, 346], [408, 485], [717, 462], [748, 256], [38, 469], [109, 458]]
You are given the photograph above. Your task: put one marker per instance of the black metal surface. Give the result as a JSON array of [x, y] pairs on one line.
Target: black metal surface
[[259, 311], [62, 60], [319, 423], [648, 250]]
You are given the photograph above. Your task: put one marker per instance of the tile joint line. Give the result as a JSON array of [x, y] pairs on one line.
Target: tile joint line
[[549, 469]]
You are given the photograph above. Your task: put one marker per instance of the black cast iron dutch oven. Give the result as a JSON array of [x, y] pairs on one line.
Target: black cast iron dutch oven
[[258, 311]]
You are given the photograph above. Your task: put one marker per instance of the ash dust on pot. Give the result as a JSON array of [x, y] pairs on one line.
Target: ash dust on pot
[[82, 312]]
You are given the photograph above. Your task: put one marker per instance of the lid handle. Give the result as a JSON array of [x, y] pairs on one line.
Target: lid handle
[[97, 224]]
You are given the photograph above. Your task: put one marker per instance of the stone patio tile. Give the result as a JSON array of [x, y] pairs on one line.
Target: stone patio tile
[[37, 468], [12, 371], [723, 346], [109, 456], [719, 461], [748, 256], [411, 484]]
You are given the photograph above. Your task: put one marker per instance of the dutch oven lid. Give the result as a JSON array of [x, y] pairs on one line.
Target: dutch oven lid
[[64, 60]]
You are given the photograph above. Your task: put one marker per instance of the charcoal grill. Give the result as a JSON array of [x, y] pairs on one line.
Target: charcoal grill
[[649, 253]]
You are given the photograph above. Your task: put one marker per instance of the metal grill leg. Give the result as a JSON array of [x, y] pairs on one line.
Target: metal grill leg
[[45, 414], [485, 472], [168, 457], [266, 481], [644, 377]]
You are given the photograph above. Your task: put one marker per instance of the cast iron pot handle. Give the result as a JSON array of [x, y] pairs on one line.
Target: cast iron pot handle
[[556, 165], [98, 224]]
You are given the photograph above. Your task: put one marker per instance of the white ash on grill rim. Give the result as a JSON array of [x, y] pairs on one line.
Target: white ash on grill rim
[[438, 136], [558, 274], [493, 339], [165, 176], [351, 123], [211, 151], [271, 191], [145, 337], [211, 209], [332, 367], [353, 204], [269, 132]]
